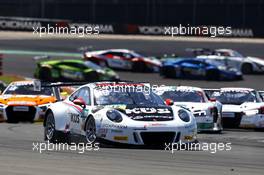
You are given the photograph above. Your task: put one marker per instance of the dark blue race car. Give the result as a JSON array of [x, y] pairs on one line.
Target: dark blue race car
[[195, 68]]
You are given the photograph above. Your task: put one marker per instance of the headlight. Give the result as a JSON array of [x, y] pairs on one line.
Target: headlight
[[184, 116], [114, 116], [43, 108]]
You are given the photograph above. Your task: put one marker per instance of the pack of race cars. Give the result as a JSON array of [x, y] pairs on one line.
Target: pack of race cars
[[219, 64], [131, 113], [85, 100]]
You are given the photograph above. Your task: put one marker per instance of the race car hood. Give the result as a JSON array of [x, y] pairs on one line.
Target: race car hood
[[141, 113], [256, 60], [149, 113], [29, 100], [144, 113], [242, 108], [194, 106]]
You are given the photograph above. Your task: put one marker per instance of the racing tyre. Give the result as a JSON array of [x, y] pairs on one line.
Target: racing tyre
[[139, 66], [169, 72], [92, 76], [247, 68], [212, 75], [45, 74], [50, 132], [90, 130]]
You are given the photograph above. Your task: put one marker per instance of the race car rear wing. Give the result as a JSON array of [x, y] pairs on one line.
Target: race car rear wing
[[209, 92], [85, 49], [43, 57], [200, 51], [58, 84], [57, 87]]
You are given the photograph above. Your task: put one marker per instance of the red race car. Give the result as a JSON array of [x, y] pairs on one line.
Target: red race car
[[123, 59]]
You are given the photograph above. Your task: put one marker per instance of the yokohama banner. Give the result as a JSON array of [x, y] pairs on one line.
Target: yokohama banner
[[27, 24]]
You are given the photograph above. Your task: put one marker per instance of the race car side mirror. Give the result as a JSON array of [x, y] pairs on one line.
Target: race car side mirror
[[80, 102], [213, 99], [169, 102]]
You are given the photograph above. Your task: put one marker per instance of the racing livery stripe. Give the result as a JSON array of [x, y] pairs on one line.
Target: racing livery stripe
[[75, 106]]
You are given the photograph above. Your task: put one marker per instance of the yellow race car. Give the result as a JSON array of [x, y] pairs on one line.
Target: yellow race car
[[25, 101]]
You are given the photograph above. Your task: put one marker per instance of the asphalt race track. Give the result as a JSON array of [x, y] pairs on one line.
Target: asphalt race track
[[16, 140], [24, 64], [18, 157]]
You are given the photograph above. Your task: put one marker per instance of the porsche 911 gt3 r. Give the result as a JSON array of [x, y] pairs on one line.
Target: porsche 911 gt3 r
[[242, 107], [123, 59], [208, 114], [21, 101], [103, 111]]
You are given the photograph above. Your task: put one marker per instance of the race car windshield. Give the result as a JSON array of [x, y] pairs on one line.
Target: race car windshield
[[235, 97], [126, 96], [231, 53], [27, 90], [236, 54], [184, 96]]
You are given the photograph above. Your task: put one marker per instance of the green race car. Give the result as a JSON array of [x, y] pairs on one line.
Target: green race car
[[72, 70]]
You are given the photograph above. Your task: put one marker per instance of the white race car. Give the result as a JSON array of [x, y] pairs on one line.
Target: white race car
[[123, 59], [242, 107], [232, 58], [118, 113], [208, 114]]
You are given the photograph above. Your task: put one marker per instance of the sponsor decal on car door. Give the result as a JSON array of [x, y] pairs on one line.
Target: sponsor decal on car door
[[117, 62], [74, 113]]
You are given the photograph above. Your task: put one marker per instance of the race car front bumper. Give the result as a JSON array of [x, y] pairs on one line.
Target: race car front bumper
[[252, 121], [149, 134], [22, 113]]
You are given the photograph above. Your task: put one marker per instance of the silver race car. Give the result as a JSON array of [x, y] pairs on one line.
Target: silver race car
[[242, 107], [123, 112], [232, 58], [208, 113]]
